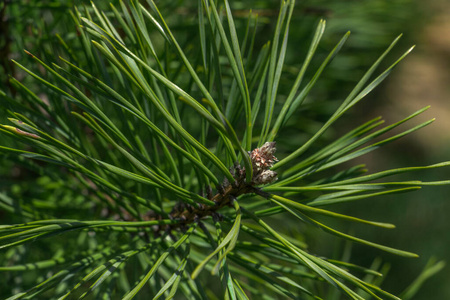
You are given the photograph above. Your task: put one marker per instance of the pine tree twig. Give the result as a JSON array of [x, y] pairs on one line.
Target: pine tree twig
[[262, 160]]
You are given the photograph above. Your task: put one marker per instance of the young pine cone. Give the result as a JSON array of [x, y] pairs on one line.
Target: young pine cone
[[262, 160]]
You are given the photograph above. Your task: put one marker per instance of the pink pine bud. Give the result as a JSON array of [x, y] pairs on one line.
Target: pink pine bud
[[262, 160]]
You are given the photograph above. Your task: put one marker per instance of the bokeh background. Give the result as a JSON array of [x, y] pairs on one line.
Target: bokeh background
[[422, 79]]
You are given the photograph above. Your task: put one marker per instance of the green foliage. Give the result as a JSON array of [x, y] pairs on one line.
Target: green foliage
[[150, 145]]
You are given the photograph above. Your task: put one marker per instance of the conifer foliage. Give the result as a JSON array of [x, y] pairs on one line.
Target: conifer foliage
[[173, 165]]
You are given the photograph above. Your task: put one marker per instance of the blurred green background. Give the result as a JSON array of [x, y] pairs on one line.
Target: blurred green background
[[421, 80]]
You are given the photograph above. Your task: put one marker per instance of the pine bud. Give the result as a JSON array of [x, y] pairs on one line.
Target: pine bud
[[262, 160]]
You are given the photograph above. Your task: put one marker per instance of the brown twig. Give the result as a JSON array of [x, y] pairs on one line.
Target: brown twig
[[262, 160]]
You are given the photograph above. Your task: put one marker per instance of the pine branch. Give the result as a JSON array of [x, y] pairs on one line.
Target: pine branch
[[262, 160]]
